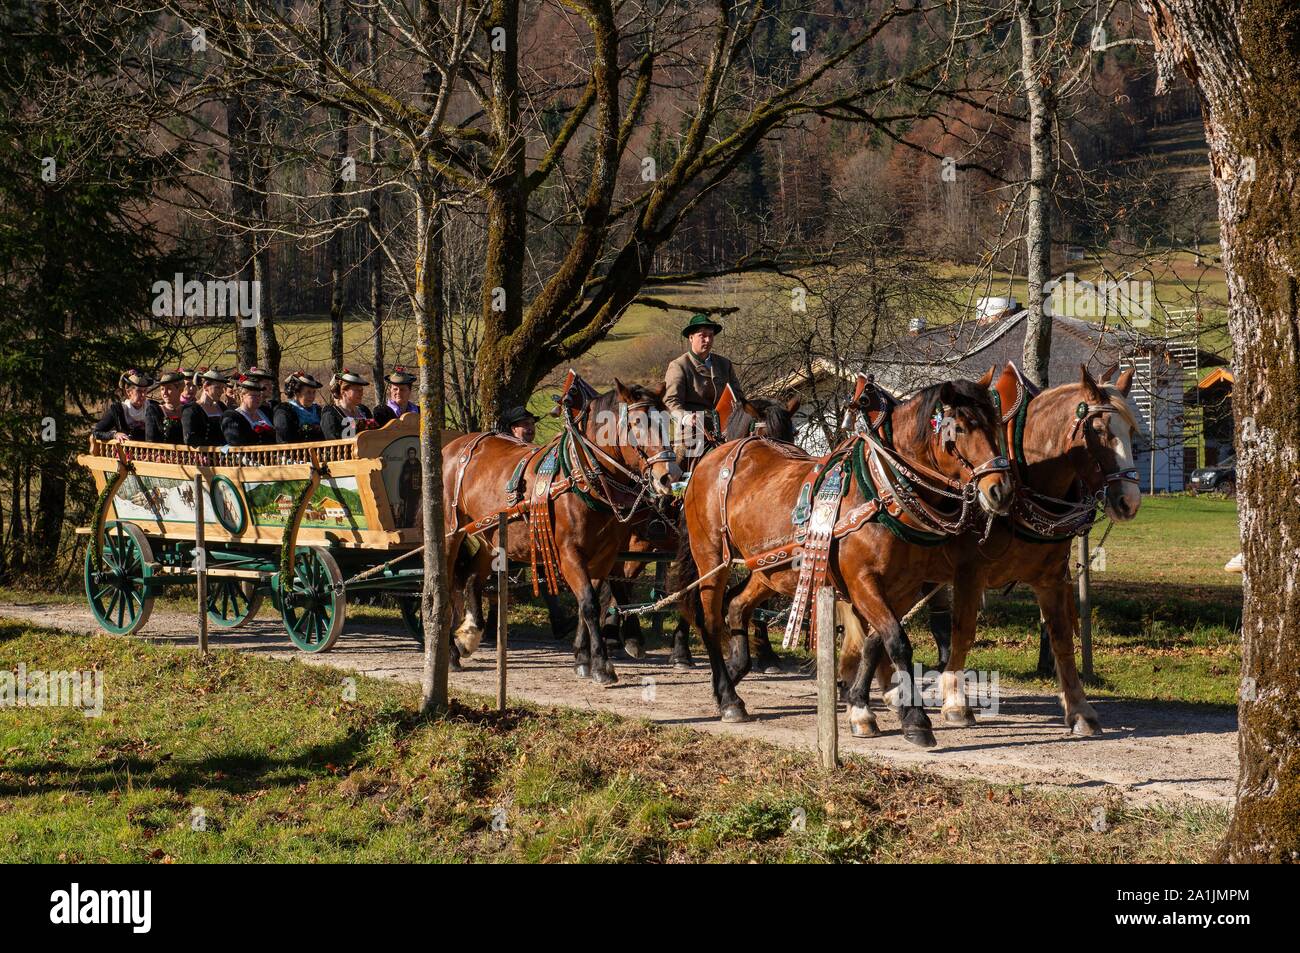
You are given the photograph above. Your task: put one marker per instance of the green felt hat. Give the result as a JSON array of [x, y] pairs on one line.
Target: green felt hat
[[700, 322]]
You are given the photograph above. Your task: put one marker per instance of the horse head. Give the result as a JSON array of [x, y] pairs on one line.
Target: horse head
[[1104, 423], [642, 440], [956, 421]]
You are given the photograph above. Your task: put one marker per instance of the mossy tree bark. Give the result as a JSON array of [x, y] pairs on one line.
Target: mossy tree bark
[[1037, 79], [1244, 56]]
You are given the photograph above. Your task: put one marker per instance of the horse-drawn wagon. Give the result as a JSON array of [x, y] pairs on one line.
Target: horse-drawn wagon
[[308, 525]]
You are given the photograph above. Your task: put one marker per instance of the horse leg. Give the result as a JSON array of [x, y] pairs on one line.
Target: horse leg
[[596, 662], [1056, 602], [965, 607], [870, 604], [941, 621], [740, 617], [681, 657], [863, 654], [724, 689]]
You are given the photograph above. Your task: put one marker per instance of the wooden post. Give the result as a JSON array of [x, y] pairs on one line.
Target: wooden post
[[1085, 608], [503, 607], [828, 742], [201, 563]]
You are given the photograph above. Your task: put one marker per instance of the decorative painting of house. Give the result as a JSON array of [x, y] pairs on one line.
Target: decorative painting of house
[[967, 349]]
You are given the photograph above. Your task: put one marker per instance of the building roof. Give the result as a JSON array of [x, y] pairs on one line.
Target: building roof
[[1218, 375]]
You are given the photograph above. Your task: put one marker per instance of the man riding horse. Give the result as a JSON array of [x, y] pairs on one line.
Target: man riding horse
[[694, 384]]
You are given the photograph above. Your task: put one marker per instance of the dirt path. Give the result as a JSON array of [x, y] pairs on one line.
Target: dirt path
[[1150, 752]]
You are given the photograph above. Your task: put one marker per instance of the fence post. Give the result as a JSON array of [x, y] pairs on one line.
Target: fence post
[[828, 742], [503, 607], [201, 562], [1085, 607]]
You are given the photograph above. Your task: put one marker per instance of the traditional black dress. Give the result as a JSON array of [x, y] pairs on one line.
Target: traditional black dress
[[161, 427], [390, 411], [201, 429], [332, 421], [241, 429], [117, 419], [296, 424]]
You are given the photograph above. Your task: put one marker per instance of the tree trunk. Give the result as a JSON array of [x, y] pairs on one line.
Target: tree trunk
[[1243, 56], [436, 605], [1037, 79], [336, 209], [239, 113], [268, 345], [435, 608], [503, 271], [376, 212]]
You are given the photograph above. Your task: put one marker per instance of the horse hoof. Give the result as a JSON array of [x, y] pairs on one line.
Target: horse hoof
[[634, 649], [773, 669], [604, 677], [961, 717], [456, 666], [1085, 727], [582, 670], [921, 737], [683, 664], [735, 714], [862, 723]]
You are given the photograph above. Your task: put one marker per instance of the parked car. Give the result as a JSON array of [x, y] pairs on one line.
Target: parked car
[[1220, 478]]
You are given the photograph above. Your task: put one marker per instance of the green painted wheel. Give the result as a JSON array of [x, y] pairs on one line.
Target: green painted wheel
[[314, 608], [118, 592], [232, 602], [411, 616]]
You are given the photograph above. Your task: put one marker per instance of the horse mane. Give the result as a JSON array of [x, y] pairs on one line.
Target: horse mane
[[969, 396], [639, 392], [778, 421]]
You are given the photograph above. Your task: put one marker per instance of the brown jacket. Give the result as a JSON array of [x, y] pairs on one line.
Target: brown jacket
[[694, 387]]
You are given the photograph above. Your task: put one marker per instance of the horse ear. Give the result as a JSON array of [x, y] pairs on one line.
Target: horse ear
[[750, 409], [792, 405], [1125, 382], [622, 390], [987, 379], [1089, 384], [1108, 373], [660, 390]]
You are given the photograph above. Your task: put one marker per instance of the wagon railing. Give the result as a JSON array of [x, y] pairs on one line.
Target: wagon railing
[[329, 451]]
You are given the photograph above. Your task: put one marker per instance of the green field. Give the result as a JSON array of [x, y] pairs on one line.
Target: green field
[[239, 759]]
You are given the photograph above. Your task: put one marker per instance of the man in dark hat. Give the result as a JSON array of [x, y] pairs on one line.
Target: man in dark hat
[[519, 423], [695, 382], [399, 397]]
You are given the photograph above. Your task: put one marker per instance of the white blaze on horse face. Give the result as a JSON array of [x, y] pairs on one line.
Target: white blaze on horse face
[[1122, 442]]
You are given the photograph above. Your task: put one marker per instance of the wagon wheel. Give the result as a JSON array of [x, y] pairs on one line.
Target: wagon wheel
[[232, 602], [414, 620], [313, 609], [119, 594]]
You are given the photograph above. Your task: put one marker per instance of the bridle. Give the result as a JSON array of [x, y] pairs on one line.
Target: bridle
[[1084, 413], [596, 473]]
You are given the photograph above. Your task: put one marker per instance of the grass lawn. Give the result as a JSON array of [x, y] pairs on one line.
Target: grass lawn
[[240, 759]]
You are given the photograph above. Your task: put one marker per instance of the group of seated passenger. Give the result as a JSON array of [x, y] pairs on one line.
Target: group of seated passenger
[[206, 408]]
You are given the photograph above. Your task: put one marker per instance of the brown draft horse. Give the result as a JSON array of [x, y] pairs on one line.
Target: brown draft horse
[[936, 435], [1073, 435], [653, 534], [608, 462]]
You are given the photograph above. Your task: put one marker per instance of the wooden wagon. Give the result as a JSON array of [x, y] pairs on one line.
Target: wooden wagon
[[306, 524]]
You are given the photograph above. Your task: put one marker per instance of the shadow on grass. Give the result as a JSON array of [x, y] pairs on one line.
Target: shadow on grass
[[237, 771]]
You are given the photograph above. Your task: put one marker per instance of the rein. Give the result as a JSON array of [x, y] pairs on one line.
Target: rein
[[595, 470]]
